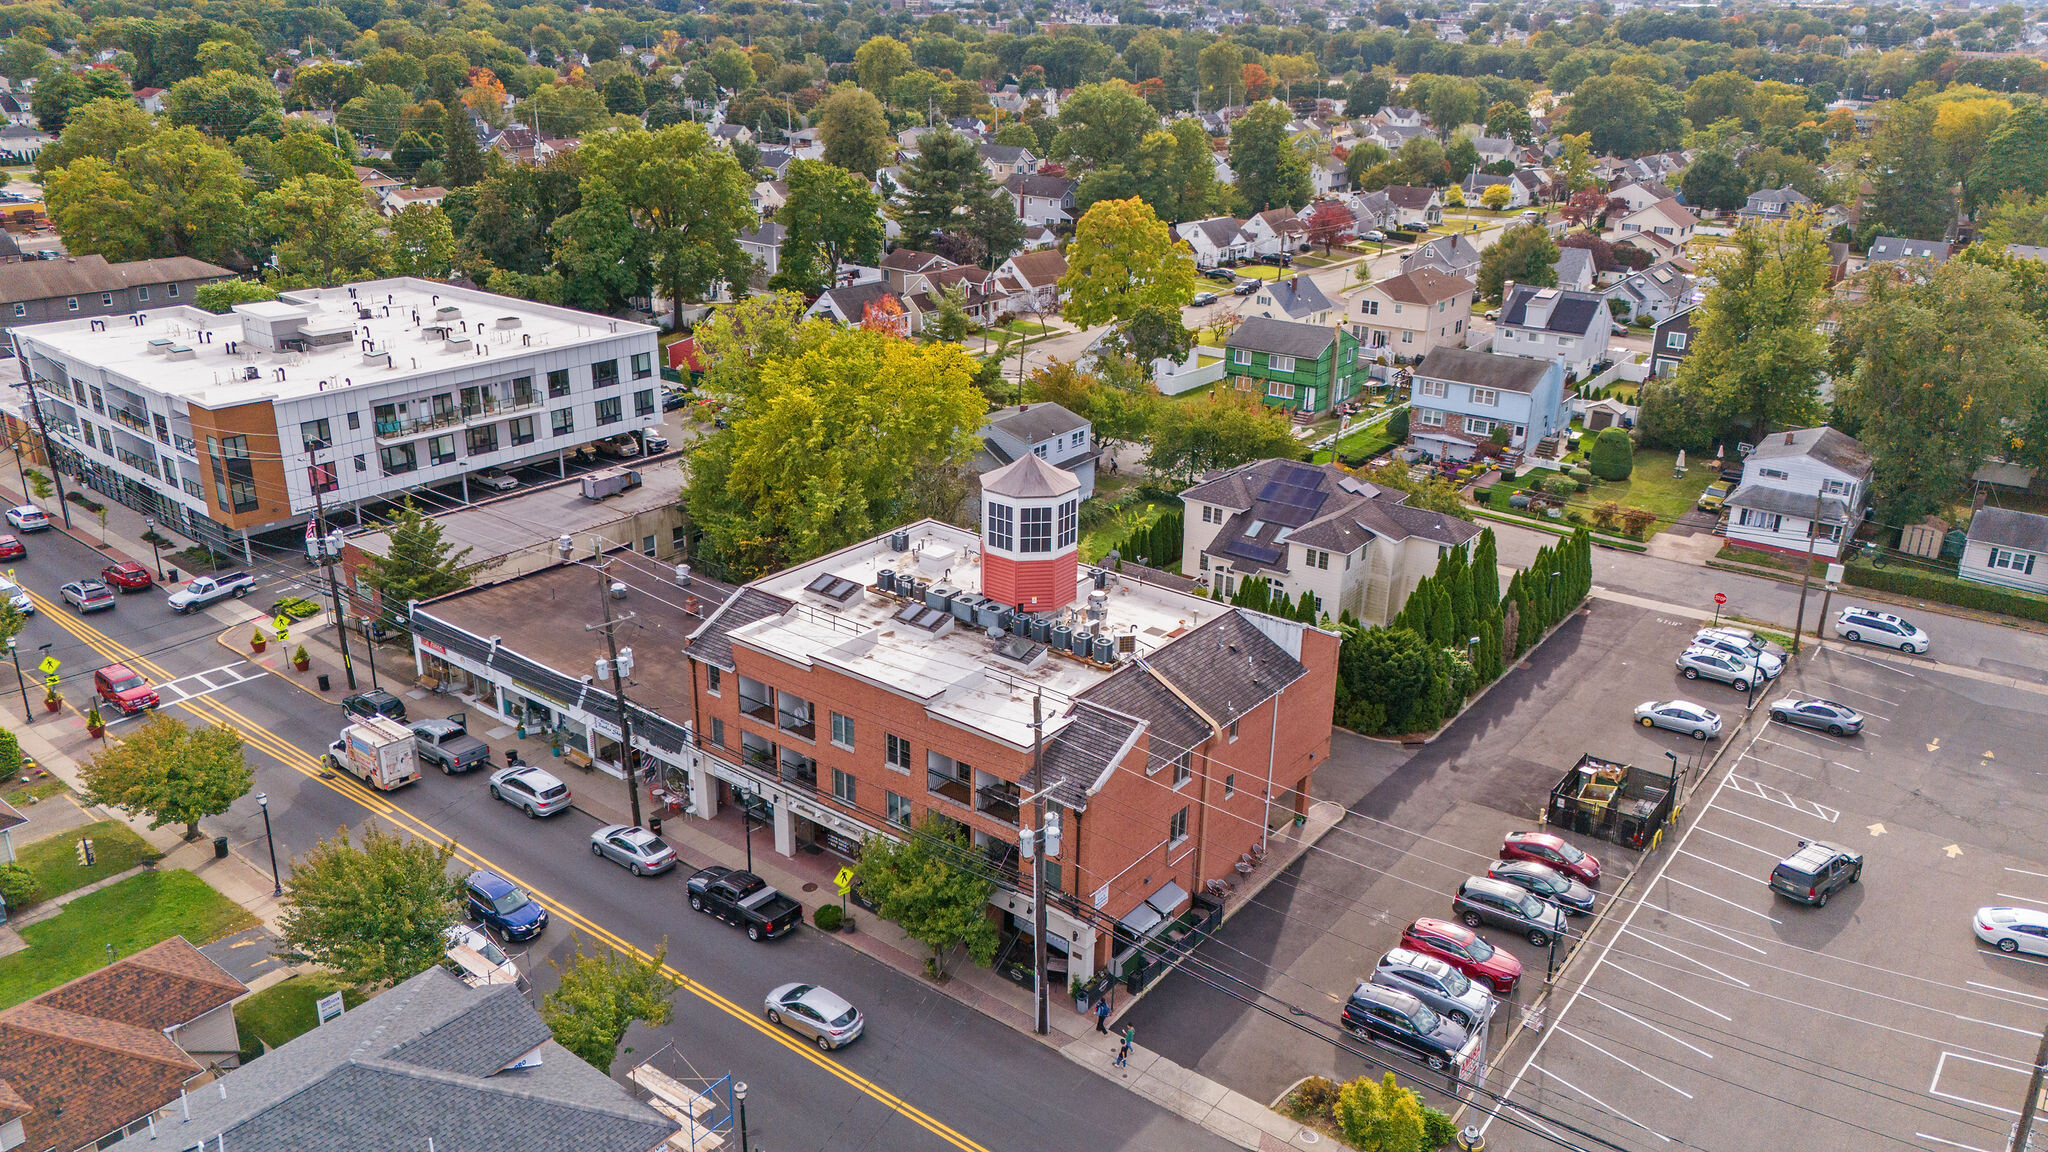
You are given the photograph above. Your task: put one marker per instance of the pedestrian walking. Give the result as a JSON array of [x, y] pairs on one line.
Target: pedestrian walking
[[1130, 1035], [1102, 1015], [1123, 1055]]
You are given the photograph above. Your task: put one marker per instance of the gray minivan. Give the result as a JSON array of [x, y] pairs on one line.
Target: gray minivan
[[1484, 901]]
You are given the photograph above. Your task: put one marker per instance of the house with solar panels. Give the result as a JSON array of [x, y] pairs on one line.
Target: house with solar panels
[[1357, 547]]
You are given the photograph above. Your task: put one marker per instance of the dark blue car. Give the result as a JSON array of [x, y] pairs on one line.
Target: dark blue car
[[504, 907]]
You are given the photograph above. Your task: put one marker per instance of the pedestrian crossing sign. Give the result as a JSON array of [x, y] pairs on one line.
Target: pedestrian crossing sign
[[50, 665], [844, 881], [284, 627]]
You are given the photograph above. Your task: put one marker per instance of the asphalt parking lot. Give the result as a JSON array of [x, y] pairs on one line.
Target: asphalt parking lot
[[1709, 1012], [1421, 821]]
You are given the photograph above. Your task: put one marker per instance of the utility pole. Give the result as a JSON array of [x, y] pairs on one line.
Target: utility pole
[[2023, 1132], [1040, 1022], [1806, 575], [328, 547], [611, 640], [50, 451]]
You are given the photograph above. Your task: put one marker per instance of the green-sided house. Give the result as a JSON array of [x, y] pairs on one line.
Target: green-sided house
[[1304, 368]]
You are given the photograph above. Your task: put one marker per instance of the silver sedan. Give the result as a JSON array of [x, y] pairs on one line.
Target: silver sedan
[[635, 849], [818, 1013], [1680, 716], [1716, 665]]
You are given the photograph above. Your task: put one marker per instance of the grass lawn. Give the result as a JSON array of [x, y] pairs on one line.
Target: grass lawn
[[1261, 272], [19, 794], [283, 1011], [128, 917], [1366, 442], [54, 859], [1652, 486]]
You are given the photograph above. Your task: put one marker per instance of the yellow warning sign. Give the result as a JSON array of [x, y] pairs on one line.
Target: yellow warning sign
[[844, 880]]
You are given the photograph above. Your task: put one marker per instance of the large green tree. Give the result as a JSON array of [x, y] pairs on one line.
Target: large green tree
[[1912, 191], [832, 217], [1939, 372], [170, 773], [1271, 171], [1101, 124], [691, 198], [1177, 171], [420, 242], [417, 564], [175, 193], [602, 994], [1223, 430], [226, 104], [1524, 254], [60, 90], [855, 130], [1626, 115], [932, 885], [375, 914], [598, 252], [320, 230], [2015, 156], [949, 204], [1122, 260]]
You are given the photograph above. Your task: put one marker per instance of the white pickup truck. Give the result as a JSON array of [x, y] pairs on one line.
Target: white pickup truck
[[200, 591]]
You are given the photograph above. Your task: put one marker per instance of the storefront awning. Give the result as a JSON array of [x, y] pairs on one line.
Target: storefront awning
[[1142, 919], [1168, 900]]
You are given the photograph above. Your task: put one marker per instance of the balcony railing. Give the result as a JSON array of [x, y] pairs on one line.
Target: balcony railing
[[185, 444], [797, 723], [998, 801], [139, 462], [759, 709], [952, 788], [490, 408], [136, 420]]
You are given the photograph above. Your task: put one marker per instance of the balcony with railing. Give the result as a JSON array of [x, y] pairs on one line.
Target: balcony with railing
[[798, 769], [139, 462], [137, 420], [996, 798], [947, 777], [757, 700], [391, 425], [185, 444], [793, 714]]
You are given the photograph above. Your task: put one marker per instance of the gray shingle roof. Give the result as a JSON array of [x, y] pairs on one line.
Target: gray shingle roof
[[1785, 502], [1575, 313], [1222, 231], [1504, 373], [1836, 449], [1282, 337], [1298, 297], [2025, 531], [74, 276], [1135, 691], [1886, 249], [1352, 512], [1029, 478], [1574, 266], [712, 643], [1032, 423], [1077, 754], [347, 1087], [1226, 667]]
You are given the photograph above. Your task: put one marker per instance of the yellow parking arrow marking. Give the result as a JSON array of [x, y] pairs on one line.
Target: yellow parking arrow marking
[[1953, 850], [1935, 746], [1877, 829]]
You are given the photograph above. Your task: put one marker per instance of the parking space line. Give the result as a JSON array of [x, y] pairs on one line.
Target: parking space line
[[1725, 900], [1778, 766], [1886, 665], [1765, 823], [1810, 752], [2024, 872], [1703, 925], [1650, 1026], [2022, 899], [2004, 991], [1604, 1104], [1951, 1143], [1783, 799], [1725, 868], [1623, 1063], [1933, 1083], [1857, 691], [1771, 852], [2010, 956], [1689, 959], [1661, 988]]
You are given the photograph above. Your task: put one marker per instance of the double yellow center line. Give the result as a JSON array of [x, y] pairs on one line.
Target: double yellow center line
[[215, 711]]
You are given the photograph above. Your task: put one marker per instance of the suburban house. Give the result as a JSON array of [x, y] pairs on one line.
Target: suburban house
[[1773, 508], [1448, 255], [1671, 343], [93, 1060], [1327, 174], [2007, 548], [151, 99], [38, 291], [1046, 200], [1638, 194], [905, 268], [1413, 314], [1559, 324], [769, 195], [1892, 249], [1667, 219], [376, 184], [1415, 206], [1770, 204], [764, 246], [1371, 211], [1660, 292], [1294, 298], [1304, 368], [1216, 241], [1006, 160], [1460, 400], [399, 199], [1494, 149], [1033, 279], [1353, 545], [1576, 270], [1275, 231], [431, 1062], [1045, 430], [849, 305], [1475, 184]]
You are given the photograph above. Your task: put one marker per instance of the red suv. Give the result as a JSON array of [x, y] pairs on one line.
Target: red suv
[[1461, 948], [1544, 848], [124, 689], [127, 575]]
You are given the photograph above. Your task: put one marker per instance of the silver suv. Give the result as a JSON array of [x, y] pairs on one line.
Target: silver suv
[[1484, 901], [1450, 992]]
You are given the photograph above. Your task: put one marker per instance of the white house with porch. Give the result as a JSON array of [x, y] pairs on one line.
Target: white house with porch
[[1800, 483]]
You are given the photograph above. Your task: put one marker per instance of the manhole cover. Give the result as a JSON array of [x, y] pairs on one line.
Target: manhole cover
[[1308, 1136], [810, 887]]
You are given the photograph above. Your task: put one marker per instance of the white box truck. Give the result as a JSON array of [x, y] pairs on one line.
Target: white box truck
[[379, 751]]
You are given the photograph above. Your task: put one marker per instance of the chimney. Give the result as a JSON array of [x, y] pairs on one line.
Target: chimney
[[1788, 439], [1293, 283]]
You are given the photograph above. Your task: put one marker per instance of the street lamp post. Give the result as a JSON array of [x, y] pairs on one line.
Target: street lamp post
[[276, 884], [156, 555], [27, 712], [739, 1094]]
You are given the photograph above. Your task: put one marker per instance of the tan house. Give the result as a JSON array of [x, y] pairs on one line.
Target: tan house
[[1666, 219], [1413, 314]]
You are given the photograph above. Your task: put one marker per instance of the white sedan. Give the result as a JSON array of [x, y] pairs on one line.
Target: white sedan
[[2013, 929], [1695, 721]]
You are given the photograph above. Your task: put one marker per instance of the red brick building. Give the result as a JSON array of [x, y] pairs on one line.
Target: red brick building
[[898, 677]]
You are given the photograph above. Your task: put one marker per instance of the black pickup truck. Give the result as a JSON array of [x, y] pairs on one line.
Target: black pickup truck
[[744, 900]]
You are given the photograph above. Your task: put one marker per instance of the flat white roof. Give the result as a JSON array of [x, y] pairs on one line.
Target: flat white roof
[[959, 669], [534, 515], [401, 310]]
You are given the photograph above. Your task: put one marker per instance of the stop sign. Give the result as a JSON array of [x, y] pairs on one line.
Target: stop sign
[[1720, 597]]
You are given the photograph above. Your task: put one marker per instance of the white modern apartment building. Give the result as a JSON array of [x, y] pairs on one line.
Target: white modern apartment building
[[226, 425]]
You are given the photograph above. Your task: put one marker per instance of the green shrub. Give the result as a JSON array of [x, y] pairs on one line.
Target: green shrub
[[18, 886], [1581, 473], [1558, 485], [1314, 1098], [1397, 426], [828, 918], [1948, 590], [10, 754], [1612, 456]]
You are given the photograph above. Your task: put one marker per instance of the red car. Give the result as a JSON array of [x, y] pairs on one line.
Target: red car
[[1544, 848], [1461, 948], [124, 689], [127, 575], [11, 548]]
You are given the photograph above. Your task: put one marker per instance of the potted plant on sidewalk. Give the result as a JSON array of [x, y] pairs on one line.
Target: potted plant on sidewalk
[[52, 701], [300, 659], [94, 722], [257, 640]]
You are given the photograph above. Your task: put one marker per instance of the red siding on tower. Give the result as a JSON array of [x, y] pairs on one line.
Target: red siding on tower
[[1016, 582]]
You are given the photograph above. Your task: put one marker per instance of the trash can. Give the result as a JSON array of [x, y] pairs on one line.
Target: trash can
[[323, 681], [654, 825], [220, 847]]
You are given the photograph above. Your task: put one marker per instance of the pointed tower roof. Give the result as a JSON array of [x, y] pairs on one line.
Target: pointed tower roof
[[1029, 478]]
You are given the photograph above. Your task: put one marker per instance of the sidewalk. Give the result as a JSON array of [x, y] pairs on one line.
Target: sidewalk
[[808, 878]]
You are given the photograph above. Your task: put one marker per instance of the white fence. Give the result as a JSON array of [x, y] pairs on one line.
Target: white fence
[[1174, 379]]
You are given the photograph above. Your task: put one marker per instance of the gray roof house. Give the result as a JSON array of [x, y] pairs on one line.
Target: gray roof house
[[1575, 269], [1045, 430], [1660, 292], [1296, 298], [2006, 548], [1774, 203], [1773, 507], [1450, 255], [1559, 324], [37, 291], [1890, 249], [432, 1060]]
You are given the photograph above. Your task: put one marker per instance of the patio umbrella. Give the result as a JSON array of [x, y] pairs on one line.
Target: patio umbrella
[[1681, 459]]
